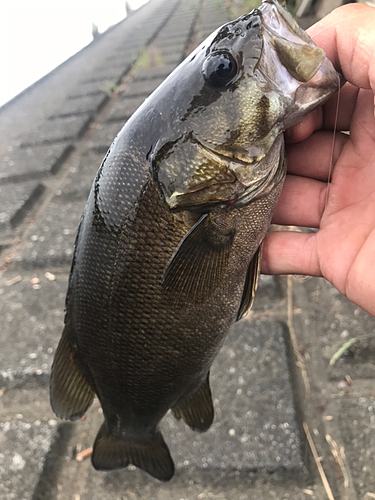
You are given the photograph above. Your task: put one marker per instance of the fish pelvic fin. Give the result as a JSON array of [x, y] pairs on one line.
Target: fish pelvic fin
[[70, 393], [150, 454], [251, 284], [197, 410]]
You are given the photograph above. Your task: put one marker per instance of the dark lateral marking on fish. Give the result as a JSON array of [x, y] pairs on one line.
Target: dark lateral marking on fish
[[200, 259], [261, 120], [70, 393], [149, 453], [98, 219], [197, 410], [207, 95], [163, 153], [74, 258], [255, 22], [231, 29], [251, 284], [157, 158], [236, 31], [224, 33], [233, 135], [252, 13], [149, 152]]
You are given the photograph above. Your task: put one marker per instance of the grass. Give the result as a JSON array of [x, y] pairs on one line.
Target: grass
[[110, 87], [150, 57]]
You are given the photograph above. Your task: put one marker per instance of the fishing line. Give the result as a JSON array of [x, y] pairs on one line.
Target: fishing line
[[315, 318], [330, 167], [315, 297], [313, 385]]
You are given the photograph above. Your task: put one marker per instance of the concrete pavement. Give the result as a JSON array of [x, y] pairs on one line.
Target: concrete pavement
[[277, 400]]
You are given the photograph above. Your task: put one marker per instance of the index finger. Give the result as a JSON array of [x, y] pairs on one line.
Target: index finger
[[347, 36]]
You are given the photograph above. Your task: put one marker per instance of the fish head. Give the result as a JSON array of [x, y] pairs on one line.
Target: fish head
[[233, 97]]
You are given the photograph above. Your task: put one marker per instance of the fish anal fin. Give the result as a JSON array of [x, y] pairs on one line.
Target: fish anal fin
[[197, 410], [150, 454], [251, 283], [70, 393], [200, 259]]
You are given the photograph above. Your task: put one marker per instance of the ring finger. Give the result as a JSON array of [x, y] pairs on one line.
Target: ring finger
[[301, 202]]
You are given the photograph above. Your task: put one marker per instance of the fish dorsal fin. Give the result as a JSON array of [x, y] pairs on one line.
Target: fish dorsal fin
[[200, 259], [70, 393], [251, 283], [197, 410]]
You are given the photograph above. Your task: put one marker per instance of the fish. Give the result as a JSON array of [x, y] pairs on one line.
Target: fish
[[168, 250]]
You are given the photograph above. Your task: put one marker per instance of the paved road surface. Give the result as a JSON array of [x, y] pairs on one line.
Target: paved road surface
[[271, 382]]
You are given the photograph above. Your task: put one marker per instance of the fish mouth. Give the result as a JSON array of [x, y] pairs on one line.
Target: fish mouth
[[295, 50], [279, 21], [292, 63]]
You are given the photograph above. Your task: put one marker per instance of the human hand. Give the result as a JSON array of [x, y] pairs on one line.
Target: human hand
[[343, 250]]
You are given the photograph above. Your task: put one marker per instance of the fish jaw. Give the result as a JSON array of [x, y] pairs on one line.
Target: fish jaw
[[305, 76]]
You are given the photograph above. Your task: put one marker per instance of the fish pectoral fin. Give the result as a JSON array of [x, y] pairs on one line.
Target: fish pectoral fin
[[70, 393], [150, 454], [200, 258], [197, 410], [251, 283]]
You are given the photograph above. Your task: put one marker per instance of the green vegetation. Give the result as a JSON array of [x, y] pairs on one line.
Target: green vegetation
[[110, 87], [149, 57], [337, 355]]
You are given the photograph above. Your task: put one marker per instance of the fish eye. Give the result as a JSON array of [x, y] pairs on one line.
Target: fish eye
[[219, 69]]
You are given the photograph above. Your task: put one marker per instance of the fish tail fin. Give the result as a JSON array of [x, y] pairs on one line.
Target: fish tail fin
[[151, 454]]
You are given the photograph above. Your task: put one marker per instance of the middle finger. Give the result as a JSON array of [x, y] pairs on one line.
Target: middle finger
[[313, 156], [324, 117]]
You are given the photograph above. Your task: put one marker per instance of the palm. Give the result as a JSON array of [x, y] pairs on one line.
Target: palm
[[343, 250], [344, 210], [346, 242]]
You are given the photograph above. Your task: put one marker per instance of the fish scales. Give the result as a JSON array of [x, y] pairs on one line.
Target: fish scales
[[168, 250]]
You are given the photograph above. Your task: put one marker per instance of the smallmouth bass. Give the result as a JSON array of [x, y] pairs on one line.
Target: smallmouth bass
[[168, 249]]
